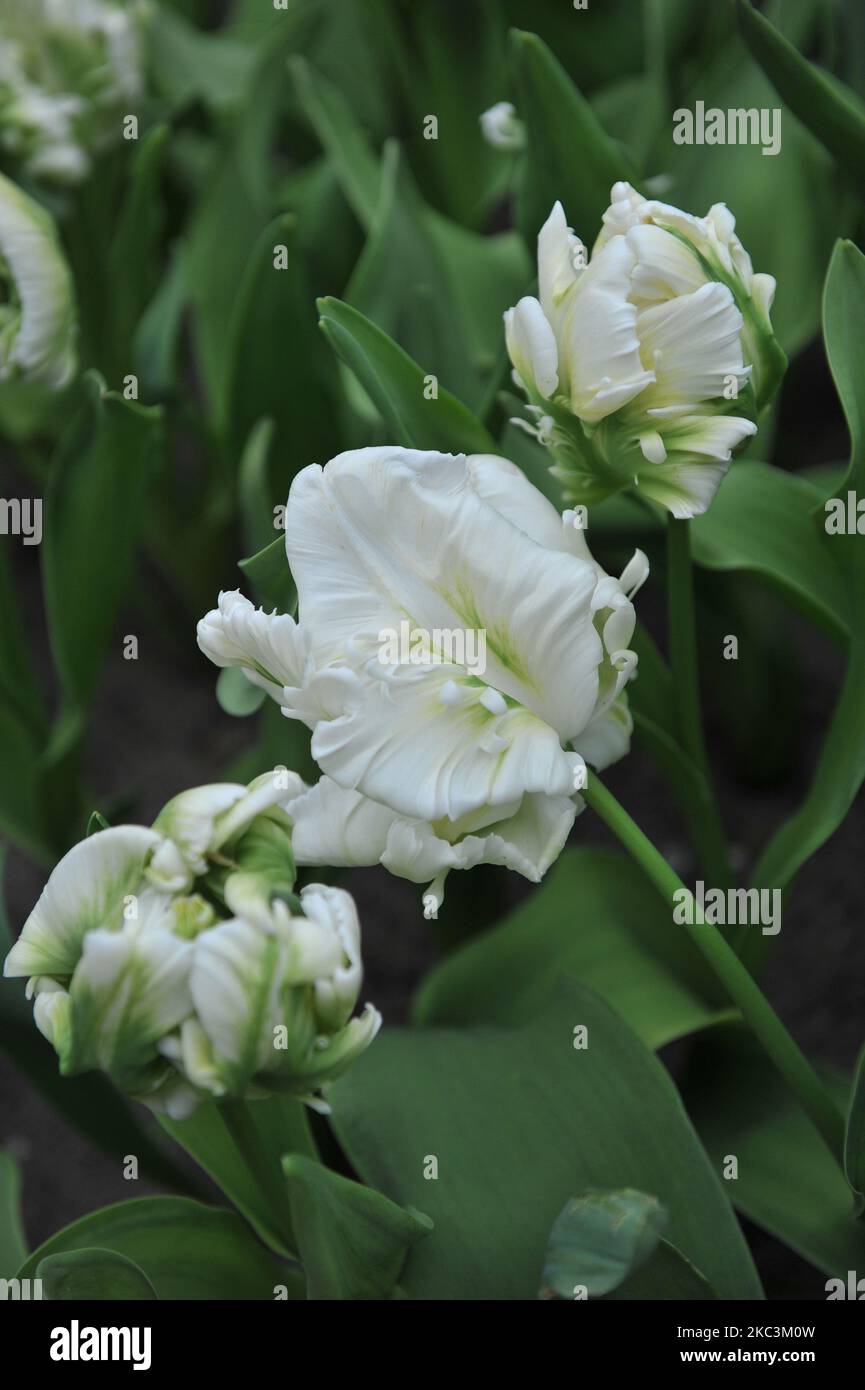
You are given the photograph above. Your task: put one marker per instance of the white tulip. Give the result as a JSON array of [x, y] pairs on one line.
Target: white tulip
[[134, 972], [427, 766], [647, 364], [37, 321], [69, 71]]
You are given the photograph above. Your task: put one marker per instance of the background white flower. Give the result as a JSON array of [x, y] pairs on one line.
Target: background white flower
[[648, 363], [37, 315]]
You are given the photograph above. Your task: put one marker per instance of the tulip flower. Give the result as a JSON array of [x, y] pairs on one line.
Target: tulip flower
[[37, 319], [177, 959], [69, 70], [428, 765], [646, 365]]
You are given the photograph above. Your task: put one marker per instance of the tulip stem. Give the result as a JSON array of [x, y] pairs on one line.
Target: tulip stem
[[682, 638], [742, 989]]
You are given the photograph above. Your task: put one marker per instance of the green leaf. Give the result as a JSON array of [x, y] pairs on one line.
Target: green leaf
[[135, 253], [598, 1239], [93, 1275], [188, 65], [569, 157], [595, 918], [517, 1120], [830, 110], [787, 1181], [13, 1246], [666, 1274], [241, 1147], [270, 576], [854, 1139], [346, 144], [156, 342], [770, 524], [236, 695], [185, 1250], [96, 823], [396, 386], [401, 283], [254, 487], [277, 366], [352, 1241], [95, 505], [841, 767]]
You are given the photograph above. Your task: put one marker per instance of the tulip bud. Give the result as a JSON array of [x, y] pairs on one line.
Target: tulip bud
[[646, 365], [37, 320], [180, 994]]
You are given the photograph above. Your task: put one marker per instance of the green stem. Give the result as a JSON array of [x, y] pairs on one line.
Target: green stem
[[738, 983], [682, 638], [258, 1155]]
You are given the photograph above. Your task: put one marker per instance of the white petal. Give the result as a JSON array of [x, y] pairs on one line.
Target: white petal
[[531, 346], [235, 985], [380, 535], [43, 347], [694, 345], [598, 336], [663, 267], [561, 260], [336, 993], [269, 647], [86, 890], [190, 820], [607, 738]]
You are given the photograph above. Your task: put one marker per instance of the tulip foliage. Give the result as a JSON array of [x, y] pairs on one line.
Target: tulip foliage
[[382, 370]]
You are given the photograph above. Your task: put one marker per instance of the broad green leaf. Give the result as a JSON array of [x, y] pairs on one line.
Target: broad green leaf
[[770, 524], [490, 1131], [95, 505], [854, 1139], [787, 1180], [667, 1275], [184, 1249], [346, 144], [93, 1275], [156, 343], [569, 157], [135, 254], [13, 1247], [190, 65], [401, 284], [830, 110], [598, 1239], [236, 695], [351, 1240], [277, 365], [270, 576], [399, 388], [221, 1138], [595, 918], [841, 767]]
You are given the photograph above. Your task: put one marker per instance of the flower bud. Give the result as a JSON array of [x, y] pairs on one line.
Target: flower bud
[[646, 365], [185, 967]]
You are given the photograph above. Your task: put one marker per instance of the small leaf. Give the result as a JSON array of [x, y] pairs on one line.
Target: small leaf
[[352, 1241], [270, 576], [598, 1239], [236, 695], [93, 1275], [96, 823]]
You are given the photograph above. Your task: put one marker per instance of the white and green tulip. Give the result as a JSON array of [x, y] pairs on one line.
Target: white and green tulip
[[429, 766], [37, 303], [69, 71], [178, 960], [647, 364]]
